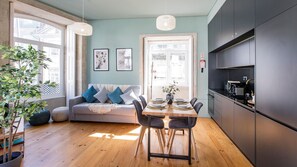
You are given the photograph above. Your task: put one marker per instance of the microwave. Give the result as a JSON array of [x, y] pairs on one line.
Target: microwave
[[235, 88]]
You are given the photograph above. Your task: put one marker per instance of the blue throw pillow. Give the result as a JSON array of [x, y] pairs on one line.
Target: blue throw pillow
[[115, 96], [89, 95]]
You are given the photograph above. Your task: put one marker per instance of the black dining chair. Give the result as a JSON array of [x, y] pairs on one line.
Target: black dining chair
[[144, 104], [143, 120], [143, 101], [176, 124], [192, 102]]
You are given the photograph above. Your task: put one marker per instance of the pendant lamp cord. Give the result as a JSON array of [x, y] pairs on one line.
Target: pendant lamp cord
[[165, 8], [83, 10]]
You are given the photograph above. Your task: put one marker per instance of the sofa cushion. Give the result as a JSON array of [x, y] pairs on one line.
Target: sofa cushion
[[116, 109], [123, 109], [129, 97], [102, 95], [88, 108], [136, 89], [115, 96], [88, 95]]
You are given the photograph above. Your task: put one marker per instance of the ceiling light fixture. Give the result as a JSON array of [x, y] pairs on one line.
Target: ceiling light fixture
[[165, 22], [82, 28]]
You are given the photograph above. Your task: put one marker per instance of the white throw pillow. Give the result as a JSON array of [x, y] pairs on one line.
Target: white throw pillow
[[129, 97], [102, 95], [136, 89]]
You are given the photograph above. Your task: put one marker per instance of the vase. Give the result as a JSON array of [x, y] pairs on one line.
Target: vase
[[169, 98], [15, 162]]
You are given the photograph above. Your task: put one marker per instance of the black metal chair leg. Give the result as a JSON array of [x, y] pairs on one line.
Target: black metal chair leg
[[149, 139], [190, 143]]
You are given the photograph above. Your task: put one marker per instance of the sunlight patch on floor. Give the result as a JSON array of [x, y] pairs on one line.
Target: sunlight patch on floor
[[132, 135]]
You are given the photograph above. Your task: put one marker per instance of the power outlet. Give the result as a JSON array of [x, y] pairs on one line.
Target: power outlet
[[244, 78]]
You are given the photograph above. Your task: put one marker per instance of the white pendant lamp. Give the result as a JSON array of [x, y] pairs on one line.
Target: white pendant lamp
[[82, 28], [165, 22]]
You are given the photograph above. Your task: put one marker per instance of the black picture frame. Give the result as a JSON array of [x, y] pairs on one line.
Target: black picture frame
[[101, 59], [124, 59]]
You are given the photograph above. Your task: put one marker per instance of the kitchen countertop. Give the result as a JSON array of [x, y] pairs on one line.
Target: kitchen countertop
[[241, 100]]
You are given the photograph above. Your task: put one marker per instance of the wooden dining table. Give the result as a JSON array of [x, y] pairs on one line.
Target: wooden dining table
[[169, 110]]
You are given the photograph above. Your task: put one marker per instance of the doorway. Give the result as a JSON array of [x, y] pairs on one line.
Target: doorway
[[169, 59]]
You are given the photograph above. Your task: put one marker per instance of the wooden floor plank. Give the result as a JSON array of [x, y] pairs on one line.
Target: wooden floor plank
[[84, 144]]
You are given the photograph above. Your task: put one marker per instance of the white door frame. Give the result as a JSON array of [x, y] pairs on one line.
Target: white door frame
[[146, 87]]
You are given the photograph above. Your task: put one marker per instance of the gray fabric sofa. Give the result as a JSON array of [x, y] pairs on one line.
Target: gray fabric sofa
[[79, 110]]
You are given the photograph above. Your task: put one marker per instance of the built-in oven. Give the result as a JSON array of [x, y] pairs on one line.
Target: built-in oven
[[211, 103]]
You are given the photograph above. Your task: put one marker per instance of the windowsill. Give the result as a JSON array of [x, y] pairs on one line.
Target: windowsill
[[47, 98], [53, 97]]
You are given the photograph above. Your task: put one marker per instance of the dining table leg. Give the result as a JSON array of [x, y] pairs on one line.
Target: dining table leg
[[190, 134], [149, 139]]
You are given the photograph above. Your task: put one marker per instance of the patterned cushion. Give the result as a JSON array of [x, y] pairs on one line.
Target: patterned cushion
[[89, 95], [115, 96], [129, 97], [102, 95]]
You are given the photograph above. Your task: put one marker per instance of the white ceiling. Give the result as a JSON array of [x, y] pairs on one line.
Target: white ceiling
[[117, 9]]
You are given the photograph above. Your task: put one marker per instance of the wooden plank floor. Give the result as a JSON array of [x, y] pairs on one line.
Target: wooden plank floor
[[82, 144]]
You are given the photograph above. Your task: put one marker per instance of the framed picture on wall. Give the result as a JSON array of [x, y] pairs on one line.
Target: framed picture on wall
[[101, 59], [124, 59]]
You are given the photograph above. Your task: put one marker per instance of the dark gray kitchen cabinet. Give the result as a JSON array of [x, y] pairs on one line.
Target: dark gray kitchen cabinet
[[252, 52], [218, 107], [224, 58], [227, 23], [237, 18], [227, 116], [211, 35], [240, 55], [267, 9], [244, 131], [214, 29], [223, 108], [276, 145], [244, 16], [276, 67]]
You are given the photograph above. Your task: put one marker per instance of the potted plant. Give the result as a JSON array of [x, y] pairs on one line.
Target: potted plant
[[170, 90], [20, 94]]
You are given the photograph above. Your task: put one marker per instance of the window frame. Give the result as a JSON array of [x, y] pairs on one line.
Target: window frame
[[41, 45], [148, 38]]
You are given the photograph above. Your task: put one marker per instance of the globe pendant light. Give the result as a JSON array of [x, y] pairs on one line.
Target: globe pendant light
[[82, 28], [165, 22]]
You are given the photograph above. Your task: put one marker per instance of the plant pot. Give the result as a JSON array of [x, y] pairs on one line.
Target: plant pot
[[15, 162], [169, 98]]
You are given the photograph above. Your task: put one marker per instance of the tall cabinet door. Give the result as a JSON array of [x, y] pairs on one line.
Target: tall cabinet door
[[227, 24], [244, 16], [276, 144], [267, 9], [227, 116], [276, 59], [244, 131], [214, 29]]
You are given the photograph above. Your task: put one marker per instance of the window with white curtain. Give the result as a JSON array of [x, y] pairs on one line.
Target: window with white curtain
[[169, 59], [49, 37]]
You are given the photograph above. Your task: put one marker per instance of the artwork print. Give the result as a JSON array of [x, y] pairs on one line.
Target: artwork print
[[124, 59], [101, 59]]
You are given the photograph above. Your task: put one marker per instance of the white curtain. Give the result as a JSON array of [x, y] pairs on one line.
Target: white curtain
[[70, 65]]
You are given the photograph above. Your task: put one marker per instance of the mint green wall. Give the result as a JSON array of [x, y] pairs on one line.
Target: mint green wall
[[125, 33]]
